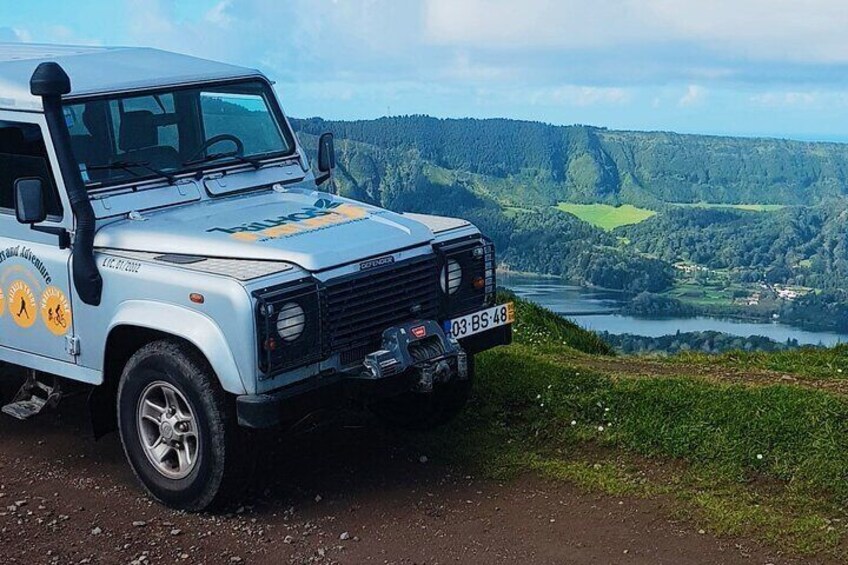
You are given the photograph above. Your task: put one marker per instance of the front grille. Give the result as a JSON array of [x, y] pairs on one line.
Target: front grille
[[348, 315], [362, 305]]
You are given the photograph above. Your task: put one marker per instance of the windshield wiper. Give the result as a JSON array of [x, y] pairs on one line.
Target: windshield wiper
[[255, 163], [128, 166]]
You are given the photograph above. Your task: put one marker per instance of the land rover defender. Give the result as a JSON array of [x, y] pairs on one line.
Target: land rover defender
[[165, 246]]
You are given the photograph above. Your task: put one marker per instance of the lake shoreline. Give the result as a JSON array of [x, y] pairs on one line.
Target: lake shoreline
[[601, 310], [727, 311]]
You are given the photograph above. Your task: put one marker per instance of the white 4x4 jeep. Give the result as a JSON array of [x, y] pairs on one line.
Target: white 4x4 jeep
[[162, 239]]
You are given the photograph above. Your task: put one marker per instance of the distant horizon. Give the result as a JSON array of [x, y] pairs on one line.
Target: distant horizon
[[804, 138]]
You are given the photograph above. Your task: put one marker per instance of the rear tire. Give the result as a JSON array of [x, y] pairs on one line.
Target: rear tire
[[421, 412], [178, 431]]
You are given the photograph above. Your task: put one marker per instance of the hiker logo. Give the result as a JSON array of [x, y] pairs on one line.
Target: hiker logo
[[21, 304], [55, 311]]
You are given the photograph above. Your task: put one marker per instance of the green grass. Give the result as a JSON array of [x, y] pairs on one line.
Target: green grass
[[767, 461], [539, 326], [806, 362], [749, 207], [763, 461], [605, 216]]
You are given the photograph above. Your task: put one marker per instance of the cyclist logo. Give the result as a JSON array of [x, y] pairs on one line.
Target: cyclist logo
[[22, 305], [55, 311]]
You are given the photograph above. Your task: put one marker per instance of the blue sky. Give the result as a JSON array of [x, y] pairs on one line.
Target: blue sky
[[739, 67]]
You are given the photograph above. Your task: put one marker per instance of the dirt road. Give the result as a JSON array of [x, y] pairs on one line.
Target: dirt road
[[347, 494]]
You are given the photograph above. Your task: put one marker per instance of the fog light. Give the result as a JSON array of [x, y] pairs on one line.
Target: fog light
[[479, 283]]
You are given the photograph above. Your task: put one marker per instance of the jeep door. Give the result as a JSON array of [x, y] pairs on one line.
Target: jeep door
[[35, 294]]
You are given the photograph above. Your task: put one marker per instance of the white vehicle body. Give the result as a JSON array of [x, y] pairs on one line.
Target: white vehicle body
[[214, 250]]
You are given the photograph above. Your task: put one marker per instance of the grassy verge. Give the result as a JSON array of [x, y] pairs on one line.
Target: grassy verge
[[766, 461]]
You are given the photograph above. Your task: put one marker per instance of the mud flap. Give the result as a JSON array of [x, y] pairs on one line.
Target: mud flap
[[102, 409]]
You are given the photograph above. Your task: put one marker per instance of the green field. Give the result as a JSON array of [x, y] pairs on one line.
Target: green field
[[749, 207], [605, 216]]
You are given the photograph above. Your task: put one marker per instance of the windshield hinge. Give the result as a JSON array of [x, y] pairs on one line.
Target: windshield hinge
[[72, 345]]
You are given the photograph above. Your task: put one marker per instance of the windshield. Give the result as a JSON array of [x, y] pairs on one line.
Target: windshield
[[133, 137]]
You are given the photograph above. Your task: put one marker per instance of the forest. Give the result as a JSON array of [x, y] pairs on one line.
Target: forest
[[704, 342], [748, 217]]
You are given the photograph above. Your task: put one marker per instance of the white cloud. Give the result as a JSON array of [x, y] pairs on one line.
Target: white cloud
[[782, 99], [14, 34], [506, 24], [218, 15], [809, 99], [575, 95], [693, 96], [464, 68], [809, 31], [65, 35]]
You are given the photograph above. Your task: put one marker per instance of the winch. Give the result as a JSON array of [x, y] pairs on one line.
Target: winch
[[420, 346]]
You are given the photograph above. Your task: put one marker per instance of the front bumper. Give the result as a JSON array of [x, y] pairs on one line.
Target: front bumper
[[338, 389]]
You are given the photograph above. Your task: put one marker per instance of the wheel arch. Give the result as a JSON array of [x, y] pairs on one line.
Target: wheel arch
[[137, 324]]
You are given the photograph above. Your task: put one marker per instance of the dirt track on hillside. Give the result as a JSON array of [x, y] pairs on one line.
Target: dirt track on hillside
[[65, 498], [634, 366]]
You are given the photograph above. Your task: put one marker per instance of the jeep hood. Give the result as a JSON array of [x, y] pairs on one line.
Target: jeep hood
[[313, 230]]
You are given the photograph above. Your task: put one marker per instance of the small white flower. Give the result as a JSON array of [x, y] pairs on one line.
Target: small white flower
[[606, 409], [600, 428], [573, 422], [760, 456], [538, 396]]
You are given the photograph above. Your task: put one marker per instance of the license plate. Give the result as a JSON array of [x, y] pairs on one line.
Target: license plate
[[481, 321]]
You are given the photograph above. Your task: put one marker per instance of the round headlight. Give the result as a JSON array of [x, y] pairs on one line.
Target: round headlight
[[451, 277], [290, 321]]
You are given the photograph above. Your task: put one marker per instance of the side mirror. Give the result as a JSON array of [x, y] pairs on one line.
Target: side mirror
[[29, 201], [326, 158]]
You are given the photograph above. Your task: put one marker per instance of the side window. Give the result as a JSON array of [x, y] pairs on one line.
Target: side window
[[23, 154]]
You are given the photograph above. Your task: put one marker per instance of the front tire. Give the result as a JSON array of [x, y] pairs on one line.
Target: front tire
[[177, 429]]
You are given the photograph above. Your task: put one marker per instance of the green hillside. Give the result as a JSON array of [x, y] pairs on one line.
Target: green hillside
[[743, 214], [547, 164]]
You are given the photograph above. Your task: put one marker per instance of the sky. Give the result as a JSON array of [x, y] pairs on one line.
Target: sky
[[731, 67]]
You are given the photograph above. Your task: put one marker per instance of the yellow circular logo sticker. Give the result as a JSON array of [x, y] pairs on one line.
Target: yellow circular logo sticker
[[22, 305], [55, 311]]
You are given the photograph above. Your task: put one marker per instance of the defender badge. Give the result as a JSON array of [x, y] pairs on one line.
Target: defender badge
[[378, 262]]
